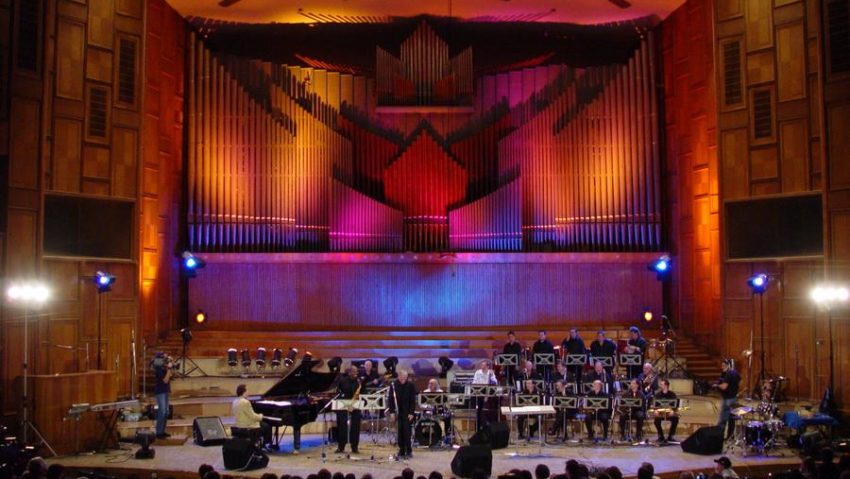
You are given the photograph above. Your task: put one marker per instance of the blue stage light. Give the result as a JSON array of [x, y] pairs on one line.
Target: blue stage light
[[191, 264], [758, 283], [103, 281], [662, 267]]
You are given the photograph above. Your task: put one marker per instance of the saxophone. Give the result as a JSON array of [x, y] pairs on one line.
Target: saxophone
[[356, 396]]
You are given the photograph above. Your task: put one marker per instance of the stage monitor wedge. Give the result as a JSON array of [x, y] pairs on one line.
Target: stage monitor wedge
[[208, 431]]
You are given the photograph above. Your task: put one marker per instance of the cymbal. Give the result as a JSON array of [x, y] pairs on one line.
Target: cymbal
[[742, 410]]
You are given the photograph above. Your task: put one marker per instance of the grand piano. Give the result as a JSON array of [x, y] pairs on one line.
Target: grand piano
[[297, 399]]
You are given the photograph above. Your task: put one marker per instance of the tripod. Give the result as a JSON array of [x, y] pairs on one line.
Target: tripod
[[184, 356], [669, 352], [26, 424]]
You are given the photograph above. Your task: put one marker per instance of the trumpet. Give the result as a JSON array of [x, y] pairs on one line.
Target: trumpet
[[647, 382]]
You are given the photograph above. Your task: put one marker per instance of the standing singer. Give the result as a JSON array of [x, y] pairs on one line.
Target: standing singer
[[349, 388], [403, 405]]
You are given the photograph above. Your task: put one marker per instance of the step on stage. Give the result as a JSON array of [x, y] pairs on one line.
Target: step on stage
[[183, 460]]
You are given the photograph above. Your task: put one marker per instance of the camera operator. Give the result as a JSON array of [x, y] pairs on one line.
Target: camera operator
[[163, 367]]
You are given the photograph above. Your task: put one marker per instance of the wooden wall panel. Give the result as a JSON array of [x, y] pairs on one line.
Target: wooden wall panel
[[21, 243], [100, 23], [67, 155], [838, 121], [24, 151], [791, 61], [70, 54], [327, 291], [759, 24], [734, 157], [794, 139], [124, 156]]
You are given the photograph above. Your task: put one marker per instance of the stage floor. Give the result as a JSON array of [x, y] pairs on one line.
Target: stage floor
[[375, 459]]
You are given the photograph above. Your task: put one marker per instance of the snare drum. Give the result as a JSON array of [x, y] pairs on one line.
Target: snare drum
[[428, 432]]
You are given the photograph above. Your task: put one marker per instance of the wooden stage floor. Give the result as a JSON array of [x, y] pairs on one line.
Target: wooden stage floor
[[183, 460]]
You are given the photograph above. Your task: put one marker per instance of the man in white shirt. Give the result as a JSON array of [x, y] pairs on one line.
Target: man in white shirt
[[246, 418], [484, 375]]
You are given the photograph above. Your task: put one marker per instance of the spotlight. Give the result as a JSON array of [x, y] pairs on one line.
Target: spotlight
[[662, 267], [200, 317], [335, 364], [290, 357], [827, 295], [277, 354], [389, 364], [186, 335], [145, 438], [103, 281], [758, 283], [647, 316], [30, 293], [231, 358], [246, 358], [191, 264], [308, 356], [445, 365]]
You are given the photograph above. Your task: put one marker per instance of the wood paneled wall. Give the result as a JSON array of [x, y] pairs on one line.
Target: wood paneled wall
[[162, 224], [423, 291], [691, 170], [781, 129], [76, 95]]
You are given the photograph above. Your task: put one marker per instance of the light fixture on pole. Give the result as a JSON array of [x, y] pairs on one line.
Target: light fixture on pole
[[103, 283], [758, 285], [28, 295], [827, 297]]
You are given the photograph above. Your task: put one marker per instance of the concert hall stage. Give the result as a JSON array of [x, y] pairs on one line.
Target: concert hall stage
[[182, 461]]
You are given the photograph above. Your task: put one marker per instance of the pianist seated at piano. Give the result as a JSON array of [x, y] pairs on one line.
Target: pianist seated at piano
[[248, 422]]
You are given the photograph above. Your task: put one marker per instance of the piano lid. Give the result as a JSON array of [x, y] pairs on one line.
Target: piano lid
[[302, 380]]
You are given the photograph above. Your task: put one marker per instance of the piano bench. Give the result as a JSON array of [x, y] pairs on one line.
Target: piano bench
[[255, 434]]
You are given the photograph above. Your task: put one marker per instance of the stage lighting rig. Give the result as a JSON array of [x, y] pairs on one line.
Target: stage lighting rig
[[200, 317], [289, 360], [661, 267], [191, 264], [103, 281], [758, 283], [335, 364], [277, 356]]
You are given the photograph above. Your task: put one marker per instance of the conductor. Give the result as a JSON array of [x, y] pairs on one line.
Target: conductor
[[403, 405]]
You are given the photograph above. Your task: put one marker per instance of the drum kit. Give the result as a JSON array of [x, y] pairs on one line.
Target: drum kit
[[758, 428]]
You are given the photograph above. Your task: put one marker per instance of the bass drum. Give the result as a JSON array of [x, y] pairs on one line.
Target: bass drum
[[757, 434], [427, 432]]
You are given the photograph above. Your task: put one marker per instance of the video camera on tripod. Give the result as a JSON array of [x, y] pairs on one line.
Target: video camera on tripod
[[162, 360]]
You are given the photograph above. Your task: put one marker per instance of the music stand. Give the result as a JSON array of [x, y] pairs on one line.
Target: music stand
[[506, 360], [630, 360], [521, 400], [540, 385], [433, 399], [607, 361], [630, 403], [662, 403], [575, 360], [597, 404], [563, 403]]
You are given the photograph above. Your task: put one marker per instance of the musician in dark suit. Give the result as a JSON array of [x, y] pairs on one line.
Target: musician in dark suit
[[403, 404], [369, 377], [602, 415], [637, 414], [648, 380], [562, 374], [561, 415], [349, 388], [637, 345], [543, 346], [672, 416], [574, 345], [528, 389], [602, 375], [512, 347], [603, 347]]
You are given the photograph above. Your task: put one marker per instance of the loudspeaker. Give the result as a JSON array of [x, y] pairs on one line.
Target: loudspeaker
[[471, 458], [496, 435], [208, 431], [239, 453], [706, 441]]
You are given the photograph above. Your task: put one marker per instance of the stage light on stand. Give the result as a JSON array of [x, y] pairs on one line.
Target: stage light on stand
[[246, 359], [145, 438], [290, 357], [335, 364], [231, 358], [103, 281], [277, 356], [647, 316], [308, 356], [758, 283], [445, 365], [261, 358], [827, 297], [200, 317], [186, 335]]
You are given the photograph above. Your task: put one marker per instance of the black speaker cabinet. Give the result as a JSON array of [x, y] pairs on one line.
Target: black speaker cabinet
[[706, 441], [471, 458], [496, 435], [240, 453], [208, 431]]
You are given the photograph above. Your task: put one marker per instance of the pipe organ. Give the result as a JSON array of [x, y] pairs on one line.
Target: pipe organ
[[547, 158]]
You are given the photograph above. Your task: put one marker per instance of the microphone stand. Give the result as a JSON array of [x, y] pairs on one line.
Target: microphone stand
[[325, 426]]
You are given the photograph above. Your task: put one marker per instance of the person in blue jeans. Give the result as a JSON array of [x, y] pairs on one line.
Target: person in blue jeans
[[163, 367], [728, 385]]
